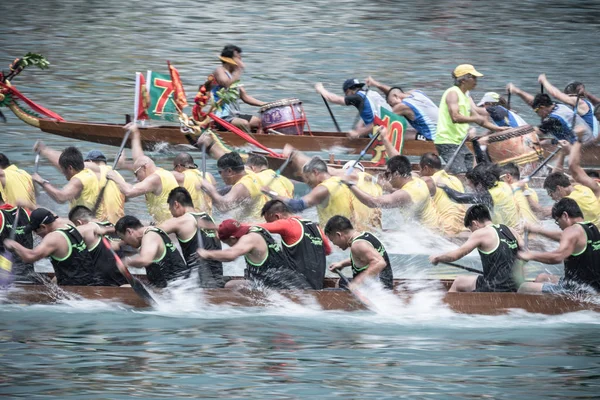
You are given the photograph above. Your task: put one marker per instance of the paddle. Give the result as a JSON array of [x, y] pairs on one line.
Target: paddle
[[7, 258], [242, 134], [364, 151], [461, 267], [331, 114], [366, 302], [280, 169], [36, 163], [451, 161], [137, 286], [508, 101], [114, 167], [542, 164]]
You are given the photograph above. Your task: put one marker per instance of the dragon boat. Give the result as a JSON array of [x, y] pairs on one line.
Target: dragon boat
[[328, 299]]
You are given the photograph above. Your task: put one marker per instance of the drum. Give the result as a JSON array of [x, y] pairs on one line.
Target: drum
[[519, 145], [285, 116]]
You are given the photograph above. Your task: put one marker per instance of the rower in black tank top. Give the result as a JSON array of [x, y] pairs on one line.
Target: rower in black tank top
[[307, 256], [210, 272], [169, 266], [77, 268], [20, 269], [498, 265], [584, 267], [274, 271], [386, 276], [105, 262]]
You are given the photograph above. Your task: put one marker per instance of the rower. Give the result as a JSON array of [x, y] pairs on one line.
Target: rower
[[497, 109], [266, 176], [579, 174], [153, 182], [451, 213], [15, 184], [23, 271], [569, 97], [92, 230], [415, 106], [245, 191], [579, 249], [187, 224], [368, 257], [558, 120], [83, 186], [456, 111], [62, 242], [526, 198], [225, 75], [266, 263], [368, 103], [497, 245], [304, 243], [157, 253], [558, 186], [112, 206], [491, 192], [328, 193], [410, 193], [188, 176]]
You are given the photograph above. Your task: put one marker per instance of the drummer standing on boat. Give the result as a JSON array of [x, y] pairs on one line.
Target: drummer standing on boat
[[15, 184], [497, 245], [225, 75], [153, 182], [579, 249], [368, 257], [415, 106], [457, 110], [368, 104]]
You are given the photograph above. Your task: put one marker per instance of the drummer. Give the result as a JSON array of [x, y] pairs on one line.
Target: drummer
[[368, 104], [230, 71]]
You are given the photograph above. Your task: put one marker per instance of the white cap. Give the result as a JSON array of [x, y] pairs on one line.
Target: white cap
[[489, 97], [358, 166]]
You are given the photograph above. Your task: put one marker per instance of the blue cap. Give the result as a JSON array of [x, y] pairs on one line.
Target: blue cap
[[351, 83], [95, 155]]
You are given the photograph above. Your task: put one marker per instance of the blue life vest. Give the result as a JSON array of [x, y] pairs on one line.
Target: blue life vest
[[426, 114]]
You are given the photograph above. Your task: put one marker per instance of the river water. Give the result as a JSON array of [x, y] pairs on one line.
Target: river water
[[84, 349]]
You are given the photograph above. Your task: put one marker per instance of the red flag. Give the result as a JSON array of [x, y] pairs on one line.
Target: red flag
[[178, 92], [141, 98]]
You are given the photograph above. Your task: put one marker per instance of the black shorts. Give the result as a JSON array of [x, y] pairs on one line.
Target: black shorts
[[482, 285]]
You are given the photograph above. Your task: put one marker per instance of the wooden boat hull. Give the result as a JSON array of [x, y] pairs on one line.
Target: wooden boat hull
[[112, 134], [341, 300]]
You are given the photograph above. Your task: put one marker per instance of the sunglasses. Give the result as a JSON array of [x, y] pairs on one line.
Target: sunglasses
[[536, 109], [138, 169]]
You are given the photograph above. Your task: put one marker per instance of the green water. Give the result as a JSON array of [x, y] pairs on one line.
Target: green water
[[84, 349]]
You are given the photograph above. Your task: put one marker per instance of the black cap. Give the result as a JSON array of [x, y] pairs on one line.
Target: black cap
[[351, 84], [39, 216]]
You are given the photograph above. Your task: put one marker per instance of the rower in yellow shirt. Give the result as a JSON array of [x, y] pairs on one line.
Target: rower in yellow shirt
[[411, 194], [188, 176], [558, 186], [83, 186], [260, 166], [523, 195], [15, 183], [112, 206]]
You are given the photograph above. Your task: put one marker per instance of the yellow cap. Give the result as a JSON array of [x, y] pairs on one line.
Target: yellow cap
[[464, 69], [227, 60]]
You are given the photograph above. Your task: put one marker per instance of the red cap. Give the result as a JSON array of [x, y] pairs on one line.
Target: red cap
[[232, 228]]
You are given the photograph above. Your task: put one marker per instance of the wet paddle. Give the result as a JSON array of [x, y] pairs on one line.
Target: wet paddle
[[114, 167], [364, 151], [36, 163], [542, 164], [453, 158], [7, 258], [331, 114], [280, 169], [462, 267], [366, 302], [135, 283]]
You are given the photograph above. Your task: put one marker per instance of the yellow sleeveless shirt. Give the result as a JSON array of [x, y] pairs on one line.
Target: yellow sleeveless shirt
[[588, 202], [90, 191], [112, 207], [282, 185], [252, 207], [525, 212], [366, 218], [202, 201], [452, 215], [340, 201], [422, 208], [505, 208], [447, 131], [158, 208], [19, 185]]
